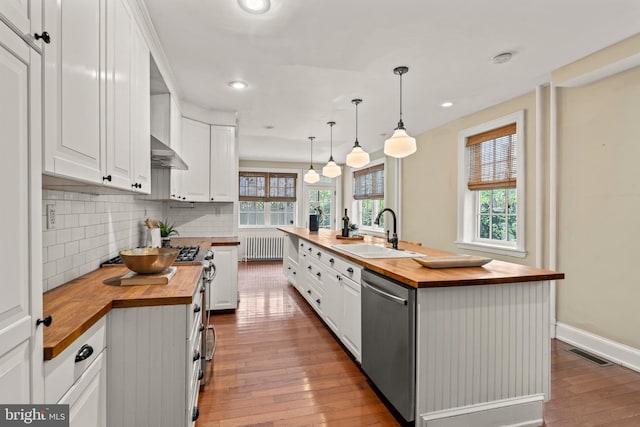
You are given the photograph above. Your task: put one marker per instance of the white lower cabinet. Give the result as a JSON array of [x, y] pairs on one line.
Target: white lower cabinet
[[223, 294], [155, 365], [78, 377], [330, 284]]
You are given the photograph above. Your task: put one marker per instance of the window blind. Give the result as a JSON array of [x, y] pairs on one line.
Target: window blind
[[368, 183], [492, 159], [267, 186]]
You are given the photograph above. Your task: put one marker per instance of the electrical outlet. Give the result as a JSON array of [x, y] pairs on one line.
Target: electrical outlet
[[51, 217]]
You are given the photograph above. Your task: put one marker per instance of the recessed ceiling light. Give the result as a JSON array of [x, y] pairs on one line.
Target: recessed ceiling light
[[446, 104], [237, 84], [255, 6], [501, 58]]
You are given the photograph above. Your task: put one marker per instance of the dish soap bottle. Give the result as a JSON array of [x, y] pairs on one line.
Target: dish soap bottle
[[345, 224]]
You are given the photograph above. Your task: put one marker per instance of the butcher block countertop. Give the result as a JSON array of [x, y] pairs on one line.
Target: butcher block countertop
[[409, 272], [205, 242], [80, 303]]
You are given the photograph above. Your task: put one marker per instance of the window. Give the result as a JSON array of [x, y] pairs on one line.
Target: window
[[368, 193], [267, 198], [491, 186]]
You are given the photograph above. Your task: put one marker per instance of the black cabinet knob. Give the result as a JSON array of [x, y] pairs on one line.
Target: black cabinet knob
[[196, 356], [184, 198], [196, 414], [319, 254], [173, 195], [309, 267], [46, 321], [332, 260], [338, 277], [44, 36], [201, 328], [201, 375], [212, 199], [318, 274], [84, 353], [318, 301], [309, 291], [310, 249], [196, 309], [301, 244], [107, 178], [350, 270]]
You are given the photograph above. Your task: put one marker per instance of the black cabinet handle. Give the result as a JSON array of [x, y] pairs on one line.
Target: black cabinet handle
[[84, 353], [140, 185], [350, 270], [332, 260], [309, 267], [196, 414], [201, 328], [46, 321], [319, 254], [44, 36], [196, 356], [201, 375], [318, 274], [136, 185], [173, 195], [310, 249], [318, 301], [301, 244], [196, 309], [107, 178], [339, 277], [184, 198], [288, 268], [309, 291], [294, 272]]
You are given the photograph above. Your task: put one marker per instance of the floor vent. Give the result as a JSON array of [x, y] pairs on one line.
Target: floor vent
[[590, 357]]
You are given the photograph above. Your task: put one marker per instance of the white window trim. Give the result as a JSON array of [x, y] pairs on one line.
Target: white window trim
[[298, 193], [467, 199]]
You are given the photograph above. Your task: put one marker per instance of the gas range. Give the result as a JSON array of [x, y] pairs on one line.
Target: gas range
[[188, 255]]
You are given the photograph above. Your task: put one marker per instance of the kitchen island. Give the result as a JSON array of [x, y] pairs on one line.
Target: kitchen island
[[482, 334]]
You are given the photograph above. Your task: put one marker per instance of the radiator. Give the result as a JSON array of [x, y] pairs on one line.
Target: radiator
[[263, 248]]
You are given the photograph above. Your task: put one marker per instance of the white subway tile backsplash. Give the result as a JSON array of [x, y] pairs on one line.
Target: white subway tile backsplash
[[71, 249]]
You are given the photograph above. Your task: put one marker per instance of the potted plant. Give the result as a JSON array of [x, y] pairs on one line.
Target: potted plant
[[353, 230], [315, 218], [166, 231]]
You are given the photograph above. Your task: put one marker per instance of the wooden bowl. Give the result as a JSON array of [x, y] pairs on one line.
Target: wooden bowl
[[148, 260]]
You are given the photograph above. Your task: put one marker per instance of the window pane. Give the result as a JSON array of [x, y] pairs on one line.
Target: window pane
[[512, 201], [485, 201], [485, 227], [499, 201], [498, 227], [367, 213]]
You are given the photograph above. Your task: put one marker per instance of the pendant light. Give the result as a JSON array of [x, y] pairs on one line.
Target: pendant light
[[357, 158], [400, 144], [331, 169], [311, 177]]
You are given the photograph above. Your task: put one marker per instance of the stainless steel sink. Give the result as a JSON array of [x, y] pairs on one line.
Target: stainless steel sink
[[365, 250]]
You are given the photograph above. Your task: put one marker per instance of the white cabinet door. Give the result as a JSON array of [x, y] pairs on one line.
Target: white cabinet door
[[224, 164], [119, 95], [195, 153], [73, 88], [141, 112], [87, 398], [351, 329], [21, 289], [223, 294], [175, 133], [333, 306], [24, 15]]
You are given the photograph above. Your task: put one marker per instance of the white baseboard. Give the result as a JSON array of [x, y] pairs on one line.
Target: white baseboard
[[615, 352], [517, 412]]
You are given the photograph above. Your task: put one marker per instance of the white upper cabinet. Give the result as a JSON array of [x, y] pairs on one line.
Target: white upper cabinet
[[96, 95], [195, 153], [140, 113], [212, 156], [73, 88], [223, 186]]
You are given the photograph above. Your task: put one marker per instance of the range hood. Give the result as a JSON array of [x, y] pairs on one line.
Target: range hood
[[162, 156]]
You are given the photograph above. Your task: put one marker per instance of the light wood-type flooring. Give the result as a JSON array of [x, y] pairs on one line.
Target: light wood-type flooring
[[277, 365]]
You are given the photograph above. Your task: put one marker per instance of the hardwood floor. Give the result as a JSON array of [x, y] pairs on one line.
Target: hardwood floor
[[277, 365]]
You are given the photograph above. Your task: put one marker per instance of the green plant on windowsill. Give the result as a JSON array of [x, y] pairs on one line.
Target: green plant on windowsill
[[353, 229]]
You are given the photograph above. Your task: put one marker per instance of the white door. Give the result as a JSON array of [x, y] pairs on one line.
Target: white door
[[73, 86], [224, 164], [20, 286], [195, 153], [320, 198]]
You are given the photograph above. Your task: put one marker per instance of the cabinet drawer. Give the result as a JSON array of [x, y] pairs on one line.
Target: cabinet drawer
[[195, 310], [347, 269], [62, 371], [193, 413]]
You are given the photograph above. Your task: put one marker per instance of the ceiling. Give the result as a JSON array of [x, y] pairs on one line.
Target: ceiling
[[304, 61]]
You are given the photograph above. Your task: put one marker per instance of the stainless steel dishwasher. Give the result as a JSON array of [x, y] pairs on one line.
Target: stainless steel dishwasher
[[389, 340]]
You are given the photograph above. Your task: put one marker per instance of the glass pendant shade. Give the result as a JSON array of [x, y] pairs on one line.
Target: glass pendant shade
[[357, 158], [311, 177], [331, 169], [400, 144]]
